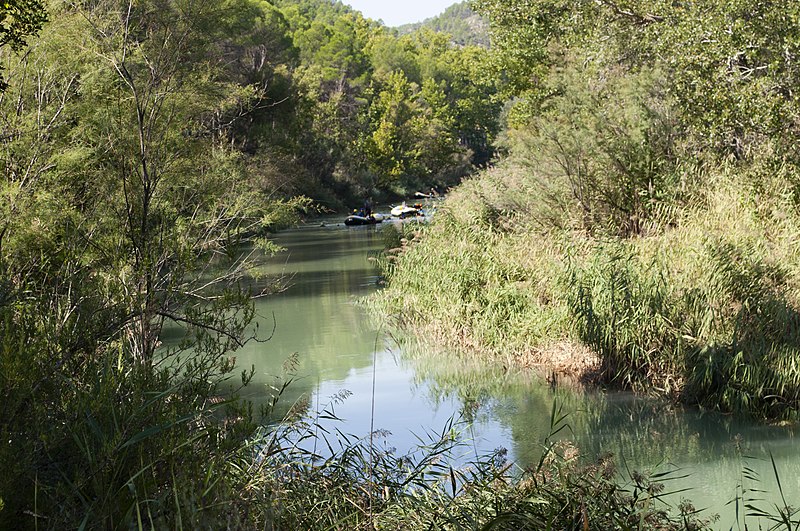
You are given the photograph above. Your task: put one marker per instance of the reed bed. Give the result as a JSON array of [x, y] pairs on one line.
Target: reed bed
[[355, 484], [701, 307]]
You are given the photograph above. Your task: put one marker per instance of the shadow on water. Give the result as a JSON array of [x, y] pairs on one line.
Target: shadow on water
[[314, 319], [319, 254]]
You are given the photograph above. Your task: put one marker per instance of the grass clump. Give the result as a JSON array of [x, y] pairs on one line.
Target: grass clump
[[469, 287]]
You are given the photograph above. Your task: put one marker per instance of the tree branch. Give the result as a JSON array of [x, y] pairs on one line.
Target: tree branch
[[192, 322]]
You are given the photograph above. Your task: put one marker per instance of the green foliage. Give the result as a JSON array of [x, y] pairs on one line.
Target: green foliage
[[123, 208], [605, 151], [728, 74], [358, 483], [392, 143], [649, 199], [19, 19], [140, 146], [357, 131], [779, 515], [469, 288], [701, 309], [338, 49], [520, 32]]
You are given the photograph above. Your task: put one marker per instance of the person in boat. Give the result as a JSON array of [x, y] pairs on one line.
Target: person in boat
[[367, 208]]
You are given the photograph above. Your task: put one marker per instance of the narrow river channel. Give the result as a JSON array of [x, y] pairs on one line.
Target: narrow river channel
[[339, 348]]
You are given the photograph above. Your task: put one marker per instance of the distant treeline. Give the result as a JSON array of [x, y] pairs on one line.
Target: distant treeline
[[464, 26]]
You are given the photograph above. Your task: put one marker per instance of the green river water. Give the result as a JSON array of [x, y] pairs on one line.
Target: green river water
[[412, 393]]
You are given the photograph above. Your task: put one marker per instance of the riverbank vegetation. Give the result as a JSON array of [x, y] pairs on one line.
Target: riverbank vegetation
[[146, 147], [646, 208]]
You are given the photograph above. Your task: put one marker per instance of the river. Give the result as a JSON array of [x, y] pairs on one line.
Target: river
[[413, 395]]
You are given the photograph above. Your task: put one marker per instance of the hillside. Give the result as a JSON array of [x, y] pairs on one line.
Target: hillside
[[462, 23]]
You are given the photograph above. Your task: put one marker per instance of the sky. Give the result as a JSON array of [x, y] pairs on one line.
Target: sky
[[398, 12]]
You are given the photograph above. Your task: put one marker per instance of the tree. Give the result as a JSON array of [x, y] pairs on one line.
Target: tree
[[603, 155], [19, 19], [473, 96], [391, 144], [731, 65], [123, 207]]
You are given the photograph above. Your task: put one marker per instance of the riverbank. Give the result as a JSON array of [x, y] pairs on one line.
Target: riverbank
[[699, 306]]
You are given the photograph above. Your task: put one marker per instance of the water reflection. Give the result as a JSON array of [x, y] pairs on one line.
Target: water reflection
[[326, 270], [417, 391], [705, 452]]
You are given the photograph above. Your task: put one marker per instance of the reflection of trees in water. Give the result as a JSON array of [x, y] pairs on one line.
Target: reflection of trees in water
[[522, 402], [641, 433], [314, 318]]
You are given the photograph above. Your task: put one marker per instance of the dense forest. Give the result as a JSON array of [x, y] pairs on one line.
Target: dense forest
[[637, 200]]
